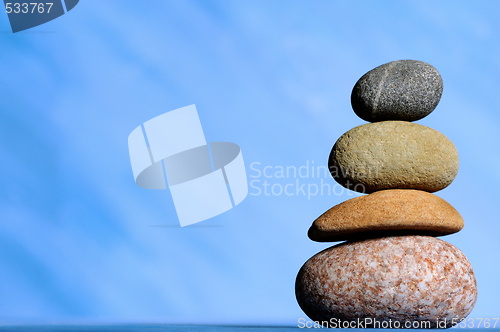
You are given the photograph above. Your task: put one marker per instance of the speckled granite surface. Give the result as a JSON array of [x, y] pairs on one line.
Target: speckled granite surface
[[398, 278]]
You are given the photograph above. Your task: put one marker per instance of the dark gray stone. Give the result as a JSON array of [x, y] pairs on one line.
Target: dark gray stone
[[406, 90]]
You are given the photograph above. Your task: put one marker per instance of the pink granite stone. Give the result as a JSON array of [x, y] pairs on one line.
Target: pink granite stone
[[399, 278]]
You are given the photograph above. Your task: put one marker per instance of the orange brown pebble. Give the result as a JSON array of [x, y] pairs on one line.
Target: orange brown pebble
[[397, 210], [397, 278]]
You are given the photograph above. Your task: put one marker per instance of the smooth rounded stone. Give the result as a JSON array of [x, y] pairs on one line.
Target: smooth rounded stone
[[400, 278], [396, 211], [405, 90], [393, 155]]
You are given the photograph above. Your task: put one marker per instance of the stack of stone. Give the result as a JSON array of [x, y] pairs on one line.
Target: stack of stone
[[392, 269]]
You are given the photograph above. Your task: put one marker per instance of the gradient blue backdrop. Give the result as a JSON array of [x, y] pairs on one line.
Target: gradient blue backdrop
[[80, 242]]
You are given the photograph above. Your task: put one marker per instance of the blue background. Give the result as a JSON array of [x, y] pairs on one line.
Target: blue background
[[80, 242]]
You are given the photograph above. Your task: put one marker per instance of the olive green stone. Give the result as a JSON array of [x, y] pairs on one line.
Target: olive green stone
[[393, 155]]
